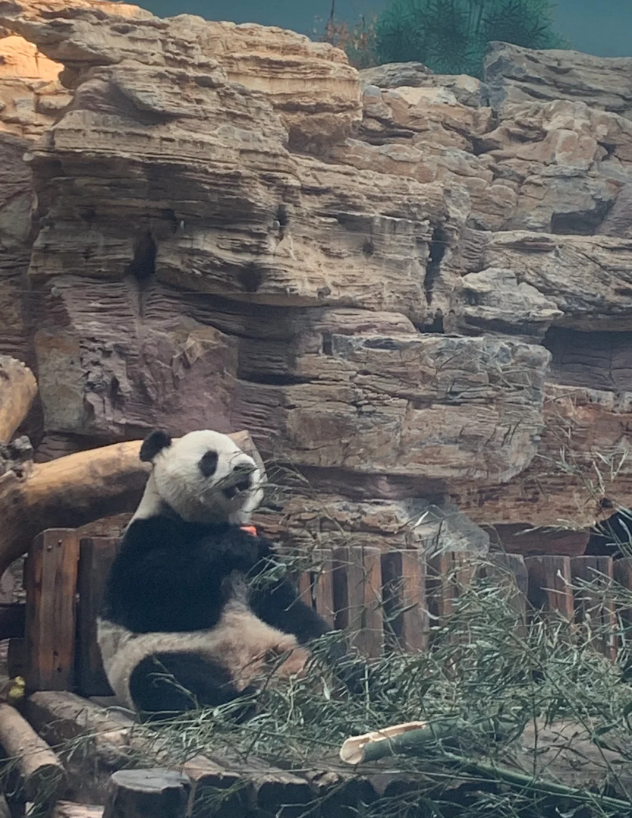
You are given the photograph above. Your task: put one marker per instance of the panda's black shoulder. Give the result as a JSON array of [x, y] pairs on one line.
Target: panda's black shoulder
[[166, 533]]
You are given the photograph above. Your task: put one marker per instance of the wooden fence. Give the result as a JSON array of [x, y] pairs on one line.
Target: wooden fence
[[385, 600]]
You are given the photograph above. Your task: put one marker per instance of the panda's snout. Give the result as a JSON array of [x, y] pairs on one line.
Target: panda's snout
[[240, 480]]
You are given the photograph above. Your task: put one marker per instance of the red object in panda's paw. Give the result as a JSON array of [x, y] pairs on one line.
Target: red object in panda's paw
[[249, 529]]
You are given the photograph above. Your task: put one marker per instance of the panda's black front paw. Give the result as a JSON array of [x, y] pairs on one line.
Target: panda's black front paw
[[354, 675]]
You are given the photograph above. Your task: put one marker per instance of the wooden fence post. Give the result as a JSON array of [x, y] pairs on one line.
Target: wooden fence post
[[550, 584], [95, 558], [50, 578], [447, 574], [358, 596], [595, 604], [404, 588], [316, 587]]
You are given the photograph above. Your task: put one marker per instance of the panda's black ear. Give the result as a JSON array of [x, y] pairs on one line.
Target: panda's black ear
[[152, 444]]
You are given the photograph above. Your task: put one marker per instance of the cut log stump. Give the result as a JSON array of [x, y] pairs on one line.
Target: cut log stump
[[158, 793]]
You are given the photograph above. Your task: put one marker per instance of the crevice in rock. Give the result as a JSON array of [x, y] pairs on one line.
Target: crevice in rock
[[143, 265], [142, 269], [273, 379], [283, 218], [438, 246], [596, 360], [251, 277], [436, 327], [581, 223]]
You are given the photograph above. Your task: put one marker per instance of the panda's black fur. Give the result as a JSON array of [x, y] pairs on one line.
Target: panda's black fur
[[183, 599]]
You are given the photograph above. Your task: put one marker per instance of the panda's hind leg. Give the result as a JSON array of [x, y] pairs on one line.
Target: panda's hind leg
[[165, 684]]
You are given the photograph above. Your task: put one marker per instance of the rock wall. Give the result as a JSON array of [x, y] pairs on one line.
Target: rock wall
[[414, 290]]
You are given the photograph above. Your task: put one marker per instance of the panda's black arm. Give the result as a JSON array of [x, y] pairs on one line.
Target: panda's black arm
[[278, 604]]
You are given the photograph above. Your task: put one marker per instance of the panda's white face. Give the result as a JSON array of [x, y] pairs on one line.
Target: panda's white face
[[204, 477]]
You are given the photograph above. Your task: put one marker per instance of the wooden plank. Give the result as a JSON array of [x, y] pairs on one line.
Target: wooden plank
[[594, 606], [622, 570], [95, 558], [324, 585], [304, 583], [404, 589], [50, 575], [550, 585], [448, 573], [510, 572], [362, 577]]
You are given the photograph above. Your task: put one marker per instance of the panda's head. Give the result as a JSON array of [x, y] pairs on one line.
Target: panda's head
[[203, 476]]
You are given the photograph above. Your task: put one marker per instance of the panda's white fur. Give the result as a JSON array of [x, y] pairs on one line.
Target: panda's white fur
[[179, 593]]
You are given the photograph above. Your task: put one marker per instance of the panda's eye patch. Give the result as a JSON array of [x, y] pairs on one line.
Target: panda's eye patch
[[208, 464]]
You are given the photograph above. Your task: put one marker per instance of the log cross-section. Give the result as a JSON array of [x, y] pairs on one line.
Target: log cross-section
[[50, 576], [142, 793]]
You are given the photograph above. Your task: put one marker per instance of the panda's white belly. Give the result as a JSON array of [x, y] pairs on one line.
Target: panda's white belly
[[240, 641]]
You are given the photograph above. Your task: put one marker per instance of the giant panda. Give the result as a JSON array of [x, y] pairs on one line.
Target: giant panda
[[190, 618]]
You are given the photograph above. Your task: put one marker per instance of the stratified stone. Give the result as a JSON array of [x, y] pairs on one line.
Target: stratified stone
[[441, 409], [493, 302], [516, 74]]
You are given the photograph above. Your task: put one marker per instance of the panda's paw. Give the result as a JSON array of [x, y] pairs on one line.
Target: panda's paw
[[354, 675]]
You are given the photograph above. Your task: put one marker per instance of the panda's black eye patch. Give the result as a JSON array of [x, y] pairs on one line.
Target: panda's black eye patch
[[208, 464]]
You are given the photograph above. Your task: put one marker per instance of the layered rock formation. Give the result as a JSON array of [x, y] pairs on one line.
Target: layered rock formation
[[413, 290]]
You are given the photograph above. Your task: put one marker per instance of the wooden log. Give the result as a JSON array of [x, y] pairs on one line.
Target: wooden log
[[12, 620], [550, 585], [61, 716], [75, 490], [216, 790], [159, 793], [50, 578], [95, 558], [271, 790], [404, 588], [358, 586], [40, 770], [18, 389], [594, 606], [341, 794], [68, 809]]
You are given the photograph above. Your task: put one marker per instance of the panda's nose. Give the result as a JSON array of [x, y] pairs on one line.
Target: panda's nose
[[243, 473]]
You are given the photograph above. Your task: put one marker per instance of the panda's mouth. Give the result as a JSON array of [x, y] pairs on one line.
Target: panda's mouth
[[230, 492]]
